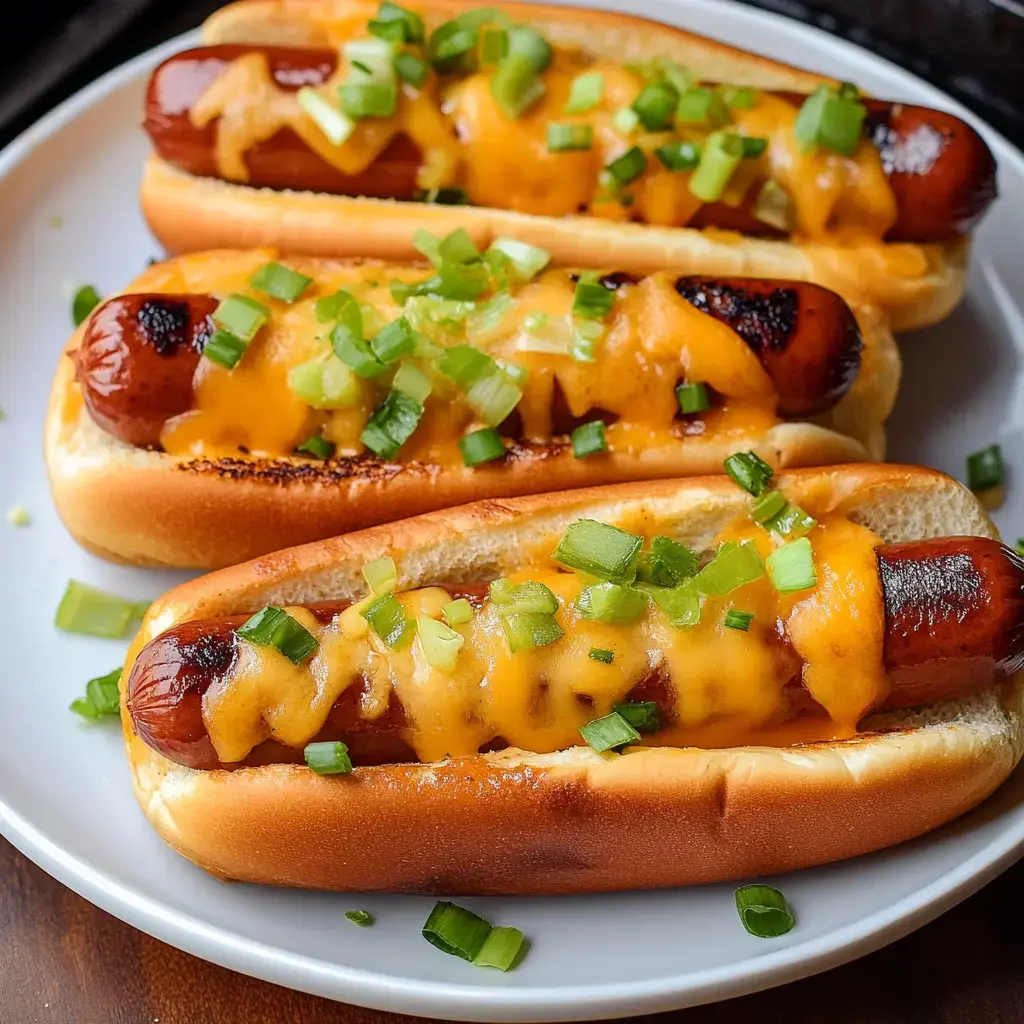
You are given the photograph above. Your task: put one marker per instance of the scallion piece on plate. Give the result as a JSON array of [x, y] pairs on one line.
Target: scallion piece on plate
[[85, 300], [763, 911], [457, 612], [738, 620], [280, 282], [656, 104], [565, 137], [791, 567], [500, 948], [643, 715], [667, 564], [749, 472], [381, 574], [612, 603], [388, 620], [274, 627], [91, 612], [455, 930], [589, 439], [985, 469], [601, 654], [732, 567], [693, 397], [328, 758], [585, 93], [241, 316], [480, 446], [317, 446], [679, 156], [102, 696], [363, 918], [1018, 545], [600, 550], [515, 85], [830, 119], [392, 424], [327, 116], [628, 167], [440, 643], [609, 732], [719, 159]]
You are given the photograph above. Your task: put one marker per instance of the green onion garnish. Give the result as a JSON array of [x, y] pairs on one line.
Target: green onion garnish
[[767, 506], [601, 654], [91, 612], [85, 300], [316, 446], [280, 282], [479, 446], [412, 381], [363, 918], [241, 316], [458, 612], [763, 911], [440, 643], [791, 567], [102, 696], [643, 715], [626, 120], [524, 630], [628, 167], [985, 469], [516, 85], [738, 620], [411, 69], [749, 471], [394, 341], [588, 439], [224, 349], [774, 206], [831, 120], [381, 575], [719, 159], [586, 92], [274, 627], [451, 45], [327, 116], [591, 298], [565, 137], [612, 603], [1018, 545], [609, 732], [743, 97], [703, 106], [341, 306], [752, 146], [528, 260], [732, 567], [667, 564], [493, 45], [392, 424], [356, 353], [325, 383], [388, 620], [679, 156], [409, 21], [490, 391], [600, 550], [328, 758], [680, 603], [656, 104], [693, 397], [500, 948], [511, 598], [361, 100], [527, 42], [455, 930], [791, 522]]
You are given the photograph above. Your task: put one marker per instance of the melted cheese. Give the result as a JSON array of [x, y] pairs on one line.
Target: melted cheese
[[729, 684], [652, 340]]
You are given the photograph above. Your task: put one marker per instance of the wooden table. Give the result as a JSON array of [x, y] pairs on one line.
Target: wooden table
[[62, 961]]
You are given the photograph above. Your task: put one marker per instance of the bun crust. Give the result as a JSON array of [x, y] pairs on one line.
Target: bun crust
[[575, 821], [915, 285], [149, 508]]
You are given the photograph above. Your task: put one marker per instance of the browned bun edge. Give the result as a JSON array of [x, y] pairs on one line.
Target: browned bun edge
[[150, 508], [575, 821]]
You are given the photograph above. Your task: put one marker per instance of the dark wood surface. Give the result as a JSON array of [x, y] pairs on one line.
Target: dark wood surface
[[63, 961]]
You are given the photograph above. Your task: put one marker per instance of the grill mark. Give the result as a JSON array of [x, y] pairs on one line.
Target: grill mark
[[165, 324], [762, 321]]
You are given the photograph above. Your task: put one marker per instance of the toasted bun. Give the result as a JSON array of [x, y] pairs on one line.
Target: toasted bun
[[150, 508], [575, 821]]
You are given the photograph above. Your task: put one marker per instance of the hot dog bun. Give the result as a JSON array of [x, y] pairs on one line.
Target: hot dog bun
[[914, 284], [515, 822], [147, 507]]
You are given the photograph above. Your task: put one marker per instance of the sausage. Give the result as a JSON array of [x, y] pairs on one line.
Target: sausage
[[137, 360], [940, 169], [954, 625]]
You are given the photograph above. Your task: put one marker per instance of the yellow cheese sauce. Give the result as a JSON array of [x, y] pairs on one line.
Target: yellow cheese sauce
[[721, 686], [651, 340]]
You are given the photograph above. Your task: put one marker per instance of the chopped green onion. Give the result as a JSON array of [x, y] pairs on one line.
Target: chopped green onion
[[667, 564], [703, 106], [411, 23], [749, 471], [629, 166], [585, 334], [600, 550], [363, 918], [102, 696], [355, 352], [767, 506], [458, 248], [985, 469], [601, 654], [371, 61], [732, 567], [524, 630], [493, 45], [428, 244], [515, 85], [451, 46], [241, 316], [1018, 545], [325, 384], [528, 260], [656, 104], [693, 397], [719, 159], [679, 156], [458, 612], [791, 567], [591, 298], [328, 758], [490, 391], [369, 99], [411, 69], [341, 306], [774, 206], [589, 439], [440, 644], [626, 120], [412, 381], [280, 282], [612, 603], [791, 522], [391, 31], [680, 603], [274, 627], [524, 41], [18, 515], [752, 146], [85, 300], [763, 911], [565, 137], [609, 732], [586, 92], [743, 97], [455, 930], [479, 446], [224, 349], [738, 620], [316, 446], [392, 424], [511, 598], [500, 949], [394, 341], [91, 612], [643, 715], [381, 575], [830, 120], [388, 620]]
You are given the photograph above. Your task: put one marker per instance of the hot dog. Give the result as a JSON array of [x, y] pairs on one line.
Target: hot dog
[[871, 198], [855, 669], [359, 398]]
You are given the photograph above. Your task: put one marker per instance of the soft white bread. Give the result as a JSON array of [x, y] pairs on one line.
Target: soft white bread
[[516, 822], [150, 508], [914, 284]]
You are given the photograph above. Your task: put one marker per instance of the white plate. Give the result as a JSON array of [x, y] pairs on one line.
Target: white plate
[[64, 792]]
